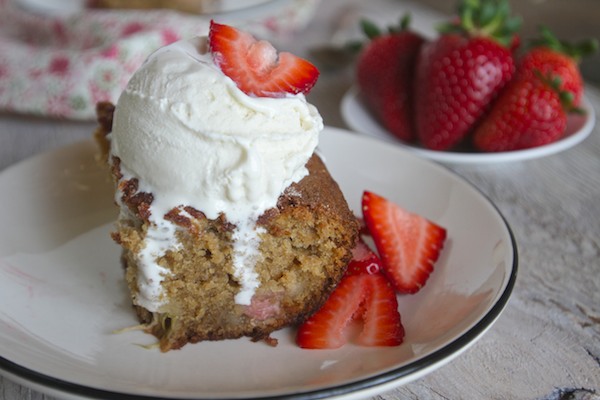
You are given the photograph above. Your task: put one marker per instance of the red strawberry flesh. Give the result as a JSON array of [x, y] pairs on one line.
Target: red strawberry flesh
[[408, 244], [326, 328], [364, 293], [255, 66], [364, 261], [382, 325]]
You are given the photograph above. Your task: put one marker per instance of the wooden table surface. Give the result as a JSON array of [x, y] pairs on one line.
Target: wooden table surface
[[546, 344]]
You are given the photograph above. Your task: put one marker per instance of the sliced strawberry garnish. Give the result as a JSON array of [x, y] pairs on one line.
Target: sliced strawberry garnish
[[358, 296], [364, 261], [381, 319], [408, 244], [255, 66], [325, 329]]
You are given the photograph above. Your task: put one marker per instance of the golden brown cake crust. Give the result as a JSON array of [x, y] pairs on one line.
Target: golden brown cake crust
[[304, 249]]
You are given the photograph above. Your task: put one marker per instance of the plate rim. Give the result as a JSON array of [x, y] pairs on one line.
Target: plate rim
[[352, 96], [52, 385]]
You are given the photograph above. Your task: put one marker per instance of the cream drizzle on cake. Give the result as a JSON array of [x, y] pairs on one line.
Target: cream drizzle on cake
[[192, 138]]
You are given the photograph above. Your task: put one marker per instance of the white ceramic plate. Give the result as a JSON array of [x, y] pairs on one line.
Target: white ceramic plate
[[62, 293], [360, 119]]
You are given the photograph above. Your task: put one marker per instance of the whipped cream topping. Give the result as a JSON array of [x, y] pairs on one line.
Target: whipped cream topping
[[192, 138]]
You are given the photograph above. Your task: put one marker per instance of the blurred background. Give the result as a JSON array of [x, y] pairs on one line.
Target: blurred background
[[60, 57]]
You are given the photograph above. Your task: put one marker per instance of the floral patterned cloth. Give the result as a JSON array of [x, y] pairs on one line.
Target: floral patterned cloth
[[61, 66]]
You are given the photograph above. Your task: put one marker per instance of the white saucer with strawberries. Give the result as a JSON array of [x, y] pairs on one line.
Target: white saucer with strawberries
[[359, 119], [474, 93]]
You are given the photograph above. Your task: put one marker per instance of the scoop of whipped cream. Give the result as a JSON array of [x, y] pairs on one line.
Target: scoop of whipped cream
[[192, 138]]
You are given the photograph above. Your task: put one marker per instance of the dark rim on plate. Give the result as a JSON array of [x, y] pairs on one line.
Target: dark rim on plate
[[430, 360]]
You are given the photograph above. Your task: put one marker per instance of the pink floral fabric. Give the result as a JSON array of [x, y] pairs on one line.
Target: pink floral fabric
[[61, 66]]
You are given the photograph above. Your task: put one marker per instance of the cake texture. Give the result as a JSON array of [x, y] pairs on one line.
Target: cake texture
[[230, 224]]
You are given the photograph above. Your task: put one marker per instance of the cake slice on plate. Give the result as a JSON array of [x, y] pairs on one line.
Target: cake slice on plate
[[230, 223]]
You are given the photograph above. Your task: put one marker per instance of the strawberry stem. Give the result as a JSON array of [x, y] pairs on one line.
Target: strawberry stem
[[404, 24], [576, 51], [488, 18], [466, 14], [372, 31]]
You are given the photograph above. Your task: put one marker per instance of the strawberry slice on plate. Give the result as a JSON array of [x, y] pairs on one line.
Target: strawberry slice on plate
[[255, 66], [364, 261], [363, 294], [381, 320], [326, 328], [408, 244]]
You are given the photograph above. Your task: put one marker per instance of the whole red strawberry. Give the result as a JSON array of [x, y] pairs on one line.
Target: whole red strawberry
[[460, 73], [531, 111], [549, 55], [385, 73]]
